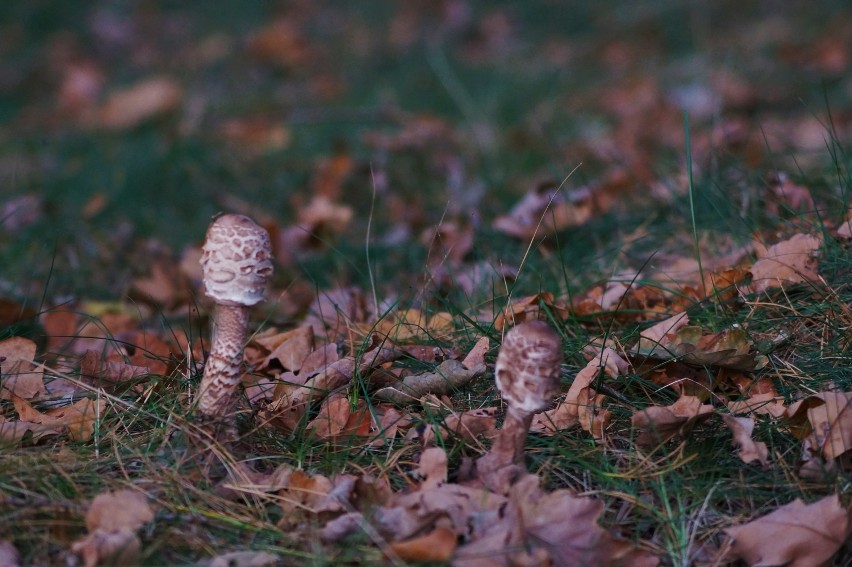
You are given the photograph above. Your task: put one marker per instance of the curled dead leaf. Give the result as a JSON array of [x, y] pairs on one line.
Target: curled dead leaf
[[448, 376], [749, 450], [139, 103], [796, 534], [437, 545], [788, 262], [658, 424], [18, 375]]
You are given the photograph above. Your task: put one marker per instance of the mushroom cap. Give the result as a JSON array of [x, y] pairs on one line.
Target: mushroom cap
[[236, 260], [528, 366]]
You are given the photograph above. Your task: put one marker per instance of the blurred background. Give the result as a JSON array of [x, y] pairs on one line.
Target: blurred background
[[126, 124]]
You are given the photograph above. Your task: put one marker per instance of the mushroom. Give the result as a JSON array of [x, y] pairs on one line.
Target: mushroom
[[236, 262], [527, 375]]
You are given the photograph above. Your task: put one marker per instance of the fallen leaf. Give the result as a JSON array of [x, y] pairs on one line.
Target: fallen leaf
[[243, 559], [658, 424], [788, 262], [540, 528], [432, 468], [447, 377], [657, 339], [289, 349], [79, 418], [117, 510], [543, 211], [280, 44], [760, 404], [582, 404], [291, 401], [748, 449], [109, 373], [337, 418], [796, 534], [256, 135], [138, 103], [437, 545], [831, 423], [476, 355], [18, 375], [473, 425], [112, 521], [9, 556], [13, 432], [526, 308]]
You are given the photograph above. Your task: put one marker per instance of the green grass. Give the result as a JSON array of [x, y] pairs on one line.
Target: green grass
[[529, 109]]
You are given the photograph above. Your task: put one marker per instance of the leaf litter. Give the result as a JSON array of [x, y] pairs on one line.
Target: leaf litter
[[348, 370]]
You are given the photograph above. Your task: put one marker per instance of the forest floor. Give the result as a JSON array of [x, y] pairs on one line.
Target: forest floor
[[667, 184]]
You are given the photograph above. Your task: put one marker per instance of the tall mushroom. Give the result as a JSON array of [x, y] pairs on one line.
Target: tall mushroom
[[527, 375], [236, 263]]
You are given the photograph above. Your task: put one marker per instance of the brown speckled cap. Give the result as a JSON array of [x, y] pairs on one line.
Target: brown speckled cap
[[528, 366], [236, 260]]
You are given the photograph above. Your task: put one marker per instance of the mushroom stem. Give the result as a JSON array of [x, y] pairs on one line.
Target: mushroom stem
[[505, 460], [222, 369]]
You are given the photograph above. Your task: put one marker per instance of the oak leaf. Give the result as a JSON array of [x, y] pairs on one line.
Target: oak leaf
[[658, 424], [788, 262], [112, 521], [796, 534], [18, 375], [749, 449]]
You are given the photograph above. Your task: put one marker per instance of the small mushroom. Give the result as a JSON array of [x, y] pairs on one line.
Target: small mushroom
[[236, 262], [527, 375]]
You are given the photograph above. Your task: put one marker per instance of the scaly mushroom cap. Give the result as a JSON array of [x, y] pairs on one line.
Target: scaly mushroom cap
[[236, 261], [527, 369]]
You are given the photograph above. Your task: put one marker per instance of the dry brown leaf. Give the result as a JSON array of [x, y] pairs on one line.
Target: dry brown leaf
[[582, 404], [658, 338], [337, 418], [448, 376], [109, 373], [658, 424], [540, 528], [139, 103], [304, 492], [527, 308], [760, 404], [79, 417], [13, 432], [437, 545], [432, 468], [831, 424], [256, 135], [543, 211], [280, 44], [795, 535], [118, 510], [447, 243], [290, 349], [9, 556], [166, 286], [414, 324], [112, 521], [330, 174], [291, 401], [788, 262], [476, 355], [748, 449], [844, 231], [18, 375], [243, 559], [474, 426]]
